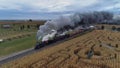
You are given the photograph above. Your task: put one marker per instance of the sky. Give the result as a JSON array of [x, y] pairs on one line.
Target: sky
[[51, 9]]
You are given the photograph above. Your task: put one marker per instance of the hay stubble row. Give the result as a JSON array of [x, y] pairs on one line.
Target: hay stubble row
[[72, 53]]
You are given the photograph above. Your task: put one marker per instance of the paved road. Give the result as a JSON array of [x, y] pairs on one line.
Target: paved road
[[15, 56]]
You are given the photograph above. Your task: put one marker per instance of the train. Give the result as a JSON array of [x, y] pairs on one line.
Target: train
[[55, 36]]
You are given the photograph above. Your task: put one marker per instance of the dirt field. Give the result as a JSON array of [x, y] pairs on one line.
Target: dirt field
[[73, 53]]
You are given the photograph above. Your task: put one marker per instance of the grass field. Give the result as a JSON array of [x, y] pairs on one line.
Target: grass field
[[17, 45], [73, 53], [16, 38]]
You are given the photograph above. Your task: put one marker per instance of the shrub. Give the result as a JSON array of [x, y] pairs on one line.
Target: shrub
[[102, 27], [113, 28], [116, 45]]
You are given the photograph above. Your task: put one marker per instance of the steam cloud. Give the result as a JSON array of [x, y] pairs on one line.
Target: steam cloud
[[73, 21]]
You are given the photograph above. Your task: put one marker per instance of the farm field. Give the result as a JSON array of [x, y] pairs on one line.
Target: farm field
[[107, 26], [18, 29], [17, 45], [73, 53], [19, 36]]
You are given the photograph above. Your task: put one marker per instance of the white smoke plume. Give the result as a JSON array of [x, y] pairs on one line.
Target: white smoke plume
[[72, 21]]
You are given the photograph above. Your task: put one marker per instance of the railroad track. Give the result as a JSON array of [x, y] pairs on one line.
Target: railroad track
[[31, 50]]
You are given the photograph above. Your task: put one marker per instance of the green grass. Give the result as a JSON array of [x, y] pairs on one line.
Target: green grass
[[17, 45]]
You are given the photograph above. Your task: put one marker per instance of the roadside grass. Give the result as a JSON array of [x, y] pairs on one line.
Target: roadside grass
[[17, 45]]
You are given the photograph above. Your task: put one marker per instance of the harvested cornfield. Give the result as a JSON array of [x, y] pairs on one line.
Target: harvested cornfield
[[74, 53]]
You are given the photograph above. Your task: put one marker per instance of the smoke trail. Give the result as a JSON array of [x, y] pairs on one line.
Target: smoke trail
[[73, 21]]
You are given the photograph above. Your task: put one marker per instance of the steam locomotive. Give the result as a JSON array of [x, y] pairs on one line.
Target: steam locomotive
[[51, 38], [55, 36]]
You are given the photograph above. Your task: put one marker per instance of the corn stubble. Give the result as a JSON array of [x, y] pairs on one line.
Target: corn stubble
[[73, 53]]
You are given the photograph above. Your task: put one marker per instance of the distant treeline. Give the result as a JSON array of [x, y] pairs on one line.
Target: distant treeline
[[30, 21]]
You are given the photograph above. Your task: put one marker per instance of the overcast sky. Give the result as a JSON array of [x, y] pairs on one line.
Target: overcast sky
[[46, 9]]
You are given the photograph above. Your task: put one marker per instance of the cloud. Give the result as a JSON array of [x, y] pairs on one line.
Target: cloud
[[45, 5], [109, 5], [53, 8], [117, 6]]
